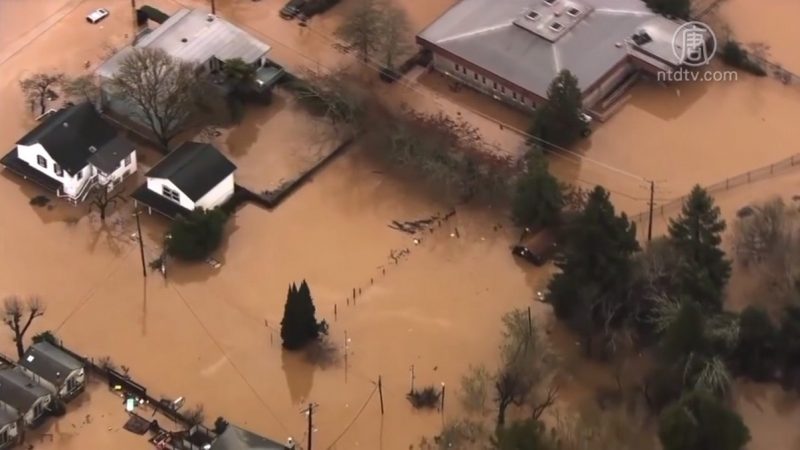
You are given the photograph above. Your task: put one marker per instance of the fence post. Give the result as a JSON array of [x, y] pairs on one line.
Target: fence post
[[770, 168]]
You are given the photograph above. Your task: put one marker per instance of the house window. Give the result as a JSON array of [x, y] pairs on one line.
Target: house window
[[502, 89], [41, 161], [483, 78], [514, 95], [126, 161], [4, 436], [463, 70], [458, 68], [495, 85], [57, 169], [79, 175], [170, 194], [475, 75]]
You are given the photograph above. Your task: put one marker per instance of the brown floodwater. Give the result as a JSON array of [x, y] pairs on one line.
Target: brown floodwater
[[211, 335]]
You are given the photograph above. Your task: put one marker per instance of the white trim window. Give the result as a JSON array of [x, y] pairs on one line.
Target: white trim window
[[58, 170], [41, 161], [170, 194], [127, 161]]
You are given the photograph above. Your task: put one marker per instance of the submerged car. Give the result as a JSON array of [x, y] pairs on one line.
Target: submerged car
[[292, 9], [97, 15], [538, 250]]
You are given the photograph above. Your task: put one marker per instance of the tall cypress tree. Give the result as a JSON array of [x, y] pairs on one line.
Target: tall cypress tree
[[299, 325], [697, 234]]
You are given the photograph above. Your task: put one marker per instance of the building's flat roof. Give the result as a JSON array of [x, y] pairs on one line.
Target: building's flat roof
[[483, 32], [195, 36]]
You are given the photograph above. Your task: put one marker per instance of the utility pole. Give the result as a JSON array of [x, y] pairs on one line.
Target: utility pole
[[346, 350], [380, 392], [133, 4], [213, 7], [412, 380], [141, 244], [652, 205], [310, 412]]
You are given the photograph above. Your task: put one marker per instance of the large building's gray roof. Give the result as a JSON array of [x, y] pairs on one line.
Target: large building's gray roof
[[18, 390], [49, 362], [205, 36], [483, 32]]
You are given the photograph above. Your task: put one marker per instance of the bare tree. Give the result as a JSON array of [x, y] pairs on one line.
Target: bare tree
[[18, 317], [101, 198], [195, 416], [83, 88], [38, 88], [334, 96], [395, 35], [163, 91], [363, 28]]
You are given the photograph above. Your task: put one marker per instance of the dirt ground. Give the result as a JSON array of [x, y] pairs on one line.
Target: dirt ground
[[211, 335]]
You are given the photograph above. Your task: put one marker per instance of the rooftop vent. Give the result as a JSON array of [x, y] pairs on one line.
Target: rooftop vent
[[92, 148], [556, 26], [550, 2], [184, 40], [641, 37], [65, 125], [573, 11], [533, 15]]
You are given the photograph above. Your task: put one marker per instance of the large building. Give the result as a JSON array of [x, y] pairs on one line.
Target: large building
[[512, 49]]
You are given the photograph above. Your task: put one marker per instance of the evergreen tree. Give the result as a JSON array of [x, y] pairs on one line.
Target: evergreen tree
[[559, 120], [790, 344], [676, 8], [755, 352], [299, 325], [697, 234], [596, 267], [538, 199], [701, 422], [523, 435], [195, 236]]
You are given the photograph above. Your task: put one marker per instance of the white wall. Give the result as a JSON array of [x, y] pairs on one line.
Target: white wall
[[29, 416], [71, 185], [156, 185], [119, 173], [12, 431], [218, 195], [482, 83], [62, 390]]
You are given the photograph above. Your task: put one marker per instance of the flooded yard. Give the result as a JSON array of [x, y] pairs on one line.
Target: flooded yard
[[212, 335]]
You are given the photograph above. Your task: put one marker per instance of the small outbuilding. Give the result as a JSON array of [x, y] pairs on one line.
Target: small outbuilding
[[9, 427], [53, 368], [22, 395], [195, 175]]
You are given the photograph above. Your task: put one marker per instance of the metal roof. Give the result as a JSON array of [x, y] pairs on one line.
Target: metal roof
[[195, 168], [195, 36], [484, 33], [18, 390], [235, 438]]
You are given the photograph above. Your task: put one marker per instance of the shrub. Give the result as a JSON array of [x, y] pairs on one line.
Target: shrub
[[425, 398], [195, 236], [734, 55]]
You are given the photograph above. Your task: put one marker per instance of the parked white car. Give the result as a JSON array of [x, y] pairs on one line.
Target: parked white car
[[97, 15]]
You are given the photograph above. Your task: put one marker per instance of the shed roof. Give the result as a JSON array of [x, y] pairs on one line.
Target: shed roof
[[194, 168], [49, 362], [7, 415], [235, 438], [491, 35], [18, 390], [73, 135]]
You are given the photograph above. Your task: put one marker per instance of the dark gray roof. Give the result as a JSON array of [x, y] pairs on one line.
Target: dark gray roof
[[108, 157], [18, 390], [7, 416], [491, 35], [235, 438], [49, 362], [68, 135], [194, 168]]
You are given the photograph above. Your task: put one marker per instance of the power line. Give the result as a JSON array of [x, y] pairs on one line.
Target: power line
[[358, 414]]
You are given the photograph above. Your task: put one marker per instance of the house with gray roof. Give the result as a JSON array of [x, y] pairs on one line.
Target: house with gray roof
[[194, 36], [53, 368], [9, 427], [23, 396], [235, 438], [512, 49], [72, 151]]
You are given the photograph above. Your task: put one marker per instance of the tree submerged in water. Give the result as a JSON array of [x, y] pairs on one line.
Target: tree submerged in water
[[299, 326]]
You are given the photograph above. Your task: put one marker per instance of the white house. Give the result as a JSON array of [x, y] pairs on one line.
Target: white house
[[20, 394], [53, 368], [71, 152], [194, 175], [9, 431]]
